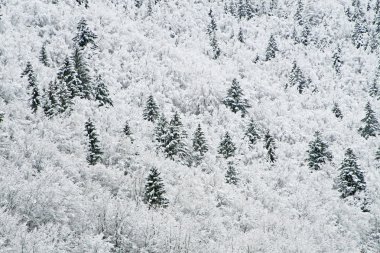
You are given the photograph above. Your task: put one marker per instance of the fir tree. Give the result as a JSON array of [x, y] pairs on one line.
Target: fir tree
[[34, 100], [101, 92], [377, 155], [373, 89], [161, 131], [154, 195], [94, 151], [337, 60], [127, 129], [151, 110], [377, 7], [358, 34], [174, 145], [64, 96], [50, 102], [270, 146], [298, 15], [337, 112], [371, 125], [84, 35], [351, 177], [318, 153], [231, 174], [305, 35], [241, 9], [234, 99], [251, 133], [241, 36], [271, 49], [43, 57], [68, 74], [199, 143], [226, 147], [211, 31], [296, 78], [82, 75]]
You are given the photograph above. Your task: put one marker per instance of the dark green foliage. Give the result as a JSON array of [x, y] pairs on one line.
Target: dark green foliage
[[84, 35], [296, 78], [371, 125], [241, 38], [251, 133], [226, 147], [34, 100], [154, 195], [68, 75], [231, 174], [101, 92], [174, 145], [337, 60], [151, 110], [199, 143], [271, 49], [234, 99], [211, 31], [83, 79], [351, 177], [94, 151], [83, 2], [298, 15], [43, 57], [337, 112], [318, 153], [270, 146]]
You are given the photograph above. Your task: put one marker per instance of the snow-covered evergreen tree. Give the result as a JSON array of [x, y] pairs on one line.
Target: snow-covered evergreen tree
[[43, 57], [34, 93], [337, 60], [200, 146], [298, 16], [374, 89], [337, 112], [82, 75], [174, 145], [371, 126], [318, 153], [151, 110], [154, 195], [235, 99], [127, 129], [161, 131], [101, 92], [241, 38], [296, 78], [231, 174], [305, 35], [226, 147], [84, 35], [271, 48], [251, 133], [270, 146], [94, 151], [211, 31], [83, 2]]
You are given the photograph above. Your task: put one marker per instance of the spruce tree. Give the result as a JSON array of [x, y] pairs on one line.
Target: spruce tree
[[270, 146], [154, 195], [318, 153], [296, 78], [241, 36], [151, 110], [68, 74], [271, 49], [174, 145], [211, 31], [305, 35], [358, 34], [298, 15], [234, 99], [82, 75], [351, 177], [231, 174], [337, 60], [373, 89], [337, 112], [226, 147], [51, 102], [94, 151], [101, 92], [64, 96], [241, 9], [161, 132], [371, 125], [199, 143], [43, 57], [251, 133], [127, 129], [34, 100], [84, 35]]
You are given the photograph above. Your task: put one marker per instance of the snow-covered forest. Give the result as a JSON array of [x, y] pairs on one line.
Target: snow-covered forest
[[189, 126]]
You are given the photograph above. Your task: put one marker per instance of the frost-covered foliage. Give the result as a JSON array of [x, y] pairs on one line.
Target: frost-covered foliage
[[53, 200]]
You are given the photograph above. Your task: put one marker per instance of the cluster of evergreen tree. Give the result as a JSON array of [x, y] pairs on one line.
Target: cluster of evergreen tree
[[235, 100], [241, 9], [34, 93], [297, 79]]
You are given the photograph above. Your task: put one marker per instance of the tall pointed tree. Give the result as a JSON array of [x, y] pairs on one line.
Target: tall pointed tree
[[299, 12], [34, 93], [127, 129], [84, 35], [270, 146], [234, 99], [174, 145], [43, 57], [226, 147], [271, 48], [231, 174], [211, 31], [318, 153], [102, 94], [371, 126], [94, 151], [241, 38], [154, 195], [151, 110], [68, 74], [161, 132], [82, 74], [251, 133], [199, 143], [296, 78], [337, 60]]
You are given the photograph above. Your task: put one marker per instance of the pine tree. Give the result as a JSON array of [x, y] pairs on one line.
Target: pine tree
[[84, 35], [231, 174], [305, 35], [351, 177], [296, 78], [298, 15], [151, 110], [337, 112], [43, 57], [271, 49], [68, 74], [241, 36], [371, 125], [234, 99], [337, 61], [199, 143], [127, 129], [50, 102], [358, 34], [318, 153], [226, 147], [154, 195], [64, 97], [34, 100], [83, 79], [373, 89], [101, 92], [161, 131], [211, 31], [251, 133], [84, 2], [94, 151], [174, 145], [270, 146]]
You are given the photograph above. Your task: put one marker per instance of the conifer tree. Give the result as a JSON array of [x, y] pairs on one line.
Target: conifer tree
[[305, 35], [377, 7], [94, 151], [371, 125], [241, 9], [377, 155], [234, 99], [151, 110], [199, 143], [251, 133], [101, 92], [271, 49], [84, 35], [154, 195], [43, 57], [241, 36], [226, 147], [296, 78], [127, 129], [358, 34], [34, 100], [337, 60], [64, 97], [270, 146], [50, 105], [174, 145], [231, 174], [337, 112], [351, 177], [211, 31], [83, 79], [298, 15], [138, 3], [373, 89], [161, 131], [84, 2], [318, 153], [68, 75]]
